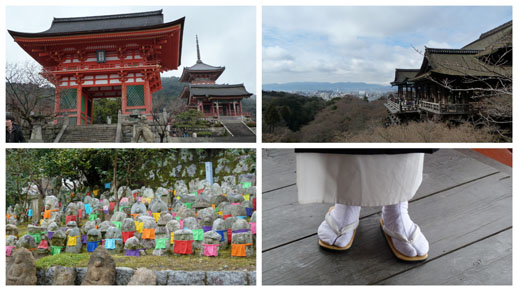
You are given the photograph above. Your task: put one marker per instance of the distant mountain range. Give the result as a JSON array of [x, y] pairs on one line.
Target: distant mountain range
[[319, 86]]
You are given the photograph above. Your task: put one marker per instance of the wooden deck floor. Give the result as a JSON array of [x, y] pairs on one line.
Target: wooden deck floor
[[464, 208]]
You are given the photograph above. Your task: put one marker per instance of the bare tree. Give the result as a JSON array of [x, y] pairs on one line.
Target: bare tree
[[162, 121], [486, 77], [28, 93]]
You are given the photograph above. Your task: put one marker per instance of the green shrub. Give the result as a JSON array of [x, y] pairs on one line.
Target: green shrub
[[204, 133]]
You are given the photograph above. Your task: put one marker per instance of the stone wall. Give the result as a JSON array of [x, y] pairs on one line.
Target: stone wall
[[164, 277], [187, 165]]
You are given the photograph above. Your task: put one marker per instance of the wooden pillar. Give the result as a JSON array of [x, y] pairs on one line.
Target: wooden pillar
[[78, 104], [234, 105], [217, 108], [91, 110], [240, 108], [124, 98], [147, 97], [57, 101]]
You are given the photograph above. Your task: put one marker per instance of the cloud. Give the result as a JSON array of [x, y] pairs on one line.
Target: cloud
[[276, 53], [363, 43], [437, 44]]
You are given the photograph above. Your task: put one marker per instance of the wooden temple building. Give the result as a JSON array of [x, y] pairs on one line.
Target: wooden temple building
[[105, 56], [403, 106], [211, 99], [453, 83]]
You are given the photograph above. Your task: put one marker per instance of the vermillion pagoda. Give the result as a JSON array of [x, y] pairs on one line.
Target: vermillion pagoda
[[211, 99], [104, 57]]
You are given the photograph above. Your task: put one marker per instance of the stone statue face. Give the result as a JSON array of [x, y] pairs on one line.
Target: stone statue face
[[113, 232], [51, 202]]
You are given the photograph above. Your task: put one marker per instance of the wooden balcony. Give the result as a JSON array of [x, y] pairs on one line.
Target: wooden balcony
[[100, 67], [445, 108], [401, 107]]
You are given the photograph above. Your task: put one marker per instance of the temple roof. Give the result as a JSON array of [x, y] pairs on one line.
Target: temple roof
[[102, 24], [215, 90], [202, 67], [456, 62], [218, 90], [498, 36], [142, 27], [403, 75], [188, 74]]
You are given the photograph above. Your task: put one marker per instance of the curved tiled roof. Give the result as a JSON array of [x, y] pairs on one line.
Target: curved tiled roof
[[102, 24], [497, 36], [403, 75], [456, 62], [218, 90]]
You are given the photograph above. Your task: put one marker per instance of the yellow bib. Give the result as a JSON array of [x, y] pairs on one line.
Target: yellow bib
[[139, 226], [72, 241]]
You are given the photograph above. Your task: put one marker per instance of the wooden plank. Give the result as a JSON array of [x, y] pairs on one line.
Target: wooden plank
[[450, 220], [442, 170], [488, 261], [487, 160], [278, 168]]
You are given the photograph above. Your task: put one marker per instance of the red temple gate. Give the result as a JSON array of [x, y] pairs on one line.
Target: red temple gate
[[109, 56]]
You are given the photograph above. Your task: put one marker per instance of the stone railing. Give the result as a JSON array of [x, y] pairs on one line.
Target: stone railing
[[61, 132], [118, 134]]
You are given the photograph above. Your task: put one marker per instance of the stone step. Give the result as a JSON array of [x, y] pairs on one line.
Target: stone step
[[238, 128], [90, 133]]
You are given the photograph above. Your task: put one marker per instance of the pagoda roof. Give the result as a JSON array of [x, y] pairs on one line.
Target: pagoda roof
[[102, 24], [403, 75], [456, 62], [203, 67], [188, 73], [200, 67]]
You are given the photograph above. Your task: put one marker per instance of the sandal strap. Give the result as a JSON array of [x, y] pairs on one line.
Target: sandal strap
[[401, 237], [334, 226]]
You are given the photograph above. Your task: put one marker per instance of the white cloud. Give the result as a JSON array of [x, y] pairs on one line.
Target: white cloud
[[276, 53], [363, 43]]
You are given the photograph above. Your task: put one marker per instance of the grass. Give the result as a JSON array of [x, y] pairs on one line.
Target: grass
[[224, 262], [22, 229]]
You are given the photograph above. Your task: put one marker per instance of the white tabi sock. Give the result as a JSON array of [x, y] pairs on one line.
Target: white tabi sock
[[343, 215], [396, 219]]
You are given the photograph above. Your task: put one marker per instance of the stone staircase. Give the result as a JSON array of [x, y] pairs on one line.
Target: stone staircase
[[237, 128], [90, 133]]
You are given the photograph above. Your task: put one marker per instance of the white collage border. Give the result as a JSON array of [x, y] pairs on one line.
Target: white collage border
[[258, 145]]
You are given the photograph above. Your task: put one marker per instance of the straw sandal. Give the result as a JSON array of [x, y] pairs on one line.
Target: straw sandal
[[389, 235], [339, 232]]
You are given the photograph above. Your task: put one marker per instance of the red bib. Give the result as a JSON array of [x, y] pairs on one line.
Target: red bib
[[183, 247]]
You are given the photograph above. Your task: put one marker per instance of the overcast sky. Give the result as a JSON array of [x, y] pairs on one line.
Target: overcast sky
[[366, 44], [226, 34]]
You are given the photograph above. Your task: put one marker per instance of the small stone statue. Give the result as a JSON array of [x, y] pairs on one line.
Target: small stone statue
[[101, 269], [143, 130], [64, 276], [22, 271]]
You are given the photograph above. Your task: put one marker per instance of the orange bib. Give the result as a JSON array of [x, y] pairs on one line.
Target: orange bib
[[148, 233]]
